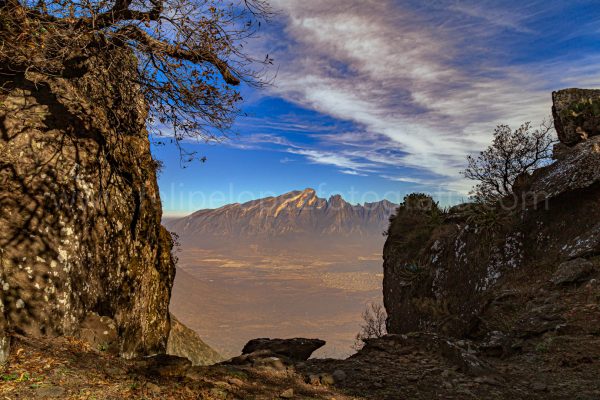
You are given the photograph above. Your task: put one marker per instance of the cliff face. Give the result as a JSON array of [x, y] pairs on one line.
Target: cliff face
[[80, 212], [465, 276]]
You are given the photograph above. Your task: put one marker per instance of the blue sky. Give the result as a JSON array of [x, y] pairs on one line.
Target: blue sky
[[376, 99]]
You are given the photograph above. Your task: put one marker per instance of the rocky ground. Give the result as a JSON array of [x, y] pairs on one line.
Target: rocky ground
[[552, 365]]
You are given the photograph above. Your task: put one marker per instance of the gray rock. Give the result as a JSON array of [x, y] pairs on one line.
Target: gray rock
[[537, 321], [464, 357], [154, 388], [560, 151], [270, 362], [339, 375], [298, 349], [539, 387], [163, 365], [579, 169], [496, 344], [313, 379], [572, 271], [4, 346]]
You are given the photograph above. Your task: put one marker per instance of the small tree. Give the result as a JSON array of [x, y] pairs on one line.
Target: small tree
[[511, 154], [373, 326]]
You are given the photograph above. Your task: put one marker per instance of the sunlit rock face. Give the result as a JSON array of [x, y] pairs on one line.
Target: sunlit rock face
[[451, 275], [300, 217], [80, 212]]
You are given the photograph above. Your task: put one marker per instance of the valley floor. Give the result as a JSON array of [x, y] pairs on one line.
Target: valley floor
[[232, 298]]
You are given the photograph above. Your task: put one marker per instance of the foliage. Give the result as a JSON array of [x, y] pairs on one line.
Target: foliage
[[511, 154], [421, 204], [189, 53], [411, 228], [490, 219], [373, 326]]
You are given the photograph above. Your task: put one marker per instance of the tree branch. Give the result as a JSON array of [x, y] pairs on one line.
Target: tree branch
[[196, 55]]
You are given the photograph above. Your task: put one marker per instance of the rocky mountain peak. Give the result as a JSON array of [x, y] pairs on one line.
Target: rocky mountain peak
[[291, 214]]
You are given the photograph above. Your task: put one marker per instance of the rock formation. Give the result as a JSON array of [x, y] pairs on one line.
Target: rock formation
[[576, 114], [464, 274], [298, 349], [80, 227], [184, 342]]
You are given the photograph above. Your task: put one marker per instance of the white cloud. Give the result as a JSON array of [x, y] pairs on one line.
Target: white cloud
[[402, 78], [329, 158], [352, 172]]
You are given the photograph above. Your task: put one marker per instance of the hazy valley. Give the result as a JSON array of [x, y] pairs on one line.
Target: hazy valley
[[302, 266]]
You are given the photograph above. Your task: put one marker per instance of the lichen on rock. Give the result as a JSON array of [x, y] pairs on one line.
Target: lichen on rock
[[80, 226]]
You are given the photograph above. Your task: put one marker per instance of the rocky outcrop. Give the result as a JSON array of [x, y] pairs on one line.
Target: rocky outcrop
[[184, 342], [298, 349], [576, 114], [276, 354], [80, 227], [469, 271]]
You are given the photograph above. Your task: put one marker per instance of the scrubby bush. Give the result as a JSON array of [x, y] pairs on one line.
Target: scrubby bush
[[373, 326]]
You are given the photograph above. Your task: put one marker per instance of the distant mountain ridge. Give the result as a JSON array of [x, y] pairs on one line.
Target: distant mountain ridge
[[296, 213]]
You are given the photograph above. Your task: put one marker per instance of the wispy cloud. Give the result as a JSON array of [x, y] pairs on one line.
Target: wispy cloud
[[329, 158], [286, 160], [424, 86], [351, 172]]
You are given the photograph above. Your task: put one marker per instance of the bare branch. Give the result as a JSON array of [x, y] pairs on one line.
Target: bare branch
[[511, 154], [196, 55]]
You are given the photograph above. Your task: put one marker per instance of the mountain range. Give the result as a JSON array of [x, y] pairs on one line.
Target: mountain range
[[298, 216]]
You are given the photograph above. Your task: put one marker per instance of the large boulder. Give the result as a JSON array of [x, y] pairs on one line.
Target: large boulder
[[576, 114], [80, 227], [297, 349]]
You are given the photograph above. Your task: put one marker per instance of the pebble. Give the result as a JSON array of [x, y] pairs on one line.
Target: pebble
[[154, 388], [287, 394], [313, 379], [236, 382], [327, 379]]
